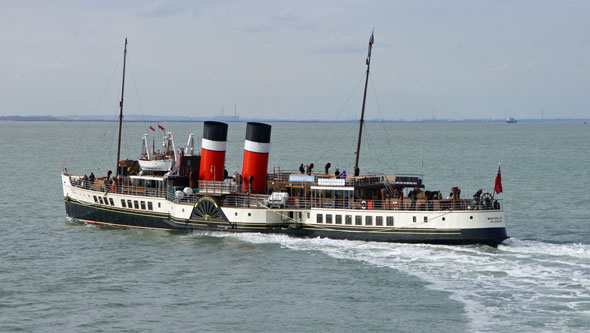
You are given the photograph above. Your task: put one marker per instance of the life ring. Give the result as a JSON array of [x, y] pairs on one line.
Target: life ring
[[395, 205], [364, 204]]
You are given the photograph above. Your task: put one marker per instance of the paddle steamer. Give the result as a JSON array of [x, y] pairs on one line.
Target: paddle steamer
[[183, 189]]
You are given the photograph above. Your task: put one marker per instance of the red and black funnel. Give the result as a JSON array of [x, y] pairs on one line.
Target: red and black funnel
[[256, 150], [213, 148]]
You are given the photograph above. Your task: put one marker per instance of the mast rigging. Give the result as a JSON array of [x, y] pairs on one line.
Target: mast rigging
[[121, 109], [358, 147]]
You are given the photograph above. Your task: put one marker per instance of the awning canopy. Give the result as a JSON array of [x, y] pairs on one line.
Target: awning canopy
[[333, 188]]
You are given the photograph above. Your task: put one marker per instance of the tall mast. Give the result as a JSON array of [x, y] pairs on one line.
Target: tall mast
[[121, 109], [358, 147]]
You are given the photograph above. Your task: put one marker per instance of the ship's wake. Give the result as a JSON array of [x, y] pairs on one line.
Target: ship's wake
[[533, 284]]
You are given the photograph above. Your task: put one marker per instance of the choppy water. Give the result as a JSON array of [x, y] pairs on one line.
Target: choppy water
[[59, 275]]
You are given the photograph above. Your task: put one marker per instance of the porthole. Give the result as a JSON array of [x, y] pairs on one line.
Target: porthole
[[236, 213], [443, 218], [471, 217], [249, 214]]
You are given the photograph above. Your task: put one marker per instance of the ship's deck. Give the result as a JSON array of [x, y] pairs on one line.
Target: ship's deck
[[230, 195]]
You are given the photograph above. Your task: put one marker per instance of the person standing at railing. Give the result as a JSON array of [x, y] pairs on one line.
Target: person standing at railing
[[114, 185]]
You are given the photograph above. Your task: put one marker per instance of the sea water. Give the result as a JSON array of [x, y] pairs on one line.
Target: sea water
[[58, 275]]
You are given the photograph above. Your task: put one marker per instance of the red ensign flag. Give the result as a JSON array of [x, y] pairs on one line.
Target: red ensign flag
[[498, 185], [160, 127], [153, 129]]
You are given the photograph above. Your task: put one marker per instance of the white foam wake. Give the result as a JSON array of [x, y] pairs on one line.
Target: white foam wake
[[526, 284]]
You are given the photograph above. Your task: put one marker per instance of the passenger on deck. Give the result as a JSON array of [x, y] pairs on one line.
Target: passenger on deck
[[114, 185], [301, 168], [343, 174], [337, 172], [91, 178], [477, 194], [357, 171], [414, 196]]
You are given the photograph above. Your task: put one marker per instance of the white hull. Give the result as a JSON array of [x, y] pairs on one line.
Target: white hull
[[347, 223]]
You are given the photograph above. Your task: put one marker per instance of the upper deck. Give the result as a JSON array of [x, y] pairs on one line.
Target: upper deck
[[319, 196]]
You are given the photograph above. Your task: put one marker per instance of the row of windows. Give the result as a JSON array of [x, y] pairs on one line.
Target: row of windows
[[358, 219], [107, 201], [135, 204]]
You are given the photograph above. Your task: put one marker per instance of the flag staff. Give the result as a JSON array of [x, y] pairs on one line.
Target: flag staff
[[498, 182]]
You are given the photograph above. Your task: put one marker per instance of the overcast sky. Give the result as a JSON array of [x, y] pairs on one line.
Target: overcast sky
[[297, 59]]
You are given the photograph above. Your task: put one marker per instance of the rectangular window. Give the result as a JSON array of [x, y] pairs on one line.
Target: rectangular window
[[320, 218], [348, 219], [329, 218], [158, 205], [100, 199], [143, 205], [150, 207], [136, 204], [379, 220], [414, 218], [390, 221], [129, 204], [368, 220], [358, 220], [425, 219], [111, 201], [95, 199], [123, 203], [338, 219]]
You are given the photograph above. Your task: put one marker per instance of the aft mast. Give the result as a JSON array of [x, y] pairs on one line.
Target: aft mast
[[358, 147], [121, 109]]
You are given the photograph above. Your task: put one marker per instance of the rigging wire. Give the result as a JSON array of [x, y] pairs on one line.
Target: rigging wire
[[389, 145], [128, 139], [322, 140], [137, 94], [75, 151]]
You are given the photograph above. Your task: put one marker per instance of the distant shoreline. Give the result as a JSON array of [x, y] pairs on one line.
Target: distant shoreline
[[152, 119]]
